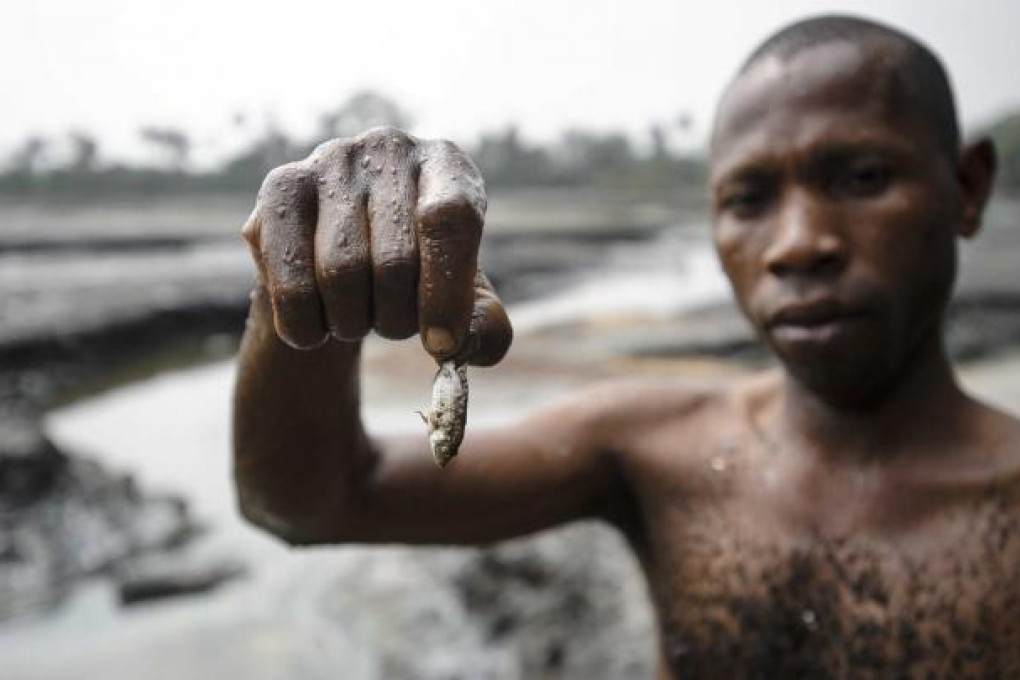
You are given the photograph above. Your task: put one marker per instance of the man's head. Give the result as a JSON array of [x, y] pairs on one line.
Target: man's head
[[839, 191]]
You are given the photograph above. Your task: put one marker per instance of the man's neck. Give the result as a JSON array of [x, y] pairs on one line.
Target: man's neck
[[921, 406]]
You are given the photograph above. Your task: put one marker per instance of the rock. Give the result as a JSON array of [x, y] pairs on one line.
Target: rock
[[568, 604], [29, 462], [160, 576], [64, 518]]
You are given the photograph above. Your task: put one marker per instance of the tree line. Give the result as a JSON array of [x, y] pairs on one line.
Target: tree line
[[577, 158]]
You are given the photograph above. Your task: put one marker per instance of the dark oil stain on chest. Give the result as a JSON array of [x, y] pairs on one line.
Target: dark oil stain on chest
[[831, 610]]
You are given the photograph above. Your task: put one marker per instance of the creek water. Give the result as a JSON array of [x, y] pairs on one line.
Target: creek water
[[172, 433]]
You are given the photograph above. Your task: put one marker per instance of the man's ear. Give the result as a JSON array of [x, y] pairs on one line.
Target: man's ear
[[975, 172]]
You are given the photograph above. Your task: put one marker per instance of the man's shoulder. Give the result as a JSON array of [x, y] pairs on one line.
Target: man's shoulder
[[624, 413]]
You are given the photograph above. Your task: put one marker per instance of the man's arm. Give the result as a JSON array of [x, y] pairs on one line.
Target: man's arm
[[335, 262], [306, 471]]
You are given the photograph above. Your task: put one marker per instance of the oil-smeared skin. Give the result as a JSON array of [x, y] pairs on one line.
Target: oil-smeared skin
[[447, 415], [845, 607], [745, 591]]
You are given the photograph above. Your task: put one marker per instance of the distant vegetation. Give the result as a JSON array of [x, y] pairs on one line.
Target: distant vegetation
[[577, 158], [1006, 133]]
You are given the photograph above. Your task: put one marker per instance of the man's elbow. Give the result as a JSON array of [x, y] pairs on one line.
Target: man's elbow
[[295, 529]]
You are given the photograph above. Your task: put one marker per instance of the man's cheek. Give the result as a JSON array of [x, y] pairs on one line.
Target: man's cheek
[[732, 249]]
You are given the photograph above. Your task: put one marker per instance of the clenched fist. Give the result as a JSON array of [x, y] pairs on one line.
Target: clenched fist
[[379, 232]]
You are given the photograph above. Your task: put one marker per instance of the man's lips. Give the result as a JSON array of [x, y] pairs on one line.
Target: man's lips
[[817, 320]]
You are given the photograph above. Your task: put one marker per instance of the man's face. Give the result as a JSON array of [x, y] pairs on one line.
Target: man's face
[[835, 216]]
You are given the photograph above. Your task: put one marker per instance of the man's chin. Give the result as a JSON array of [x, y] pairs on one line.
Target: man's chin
[[843, 375]]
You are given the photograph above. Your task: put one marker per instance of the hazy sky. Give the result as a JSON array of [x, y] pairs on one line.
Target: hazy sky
[[459, 66]]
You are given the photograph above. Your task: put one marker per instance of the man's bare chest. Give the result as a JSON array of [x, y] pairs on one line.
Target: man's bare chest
[[740, 597]]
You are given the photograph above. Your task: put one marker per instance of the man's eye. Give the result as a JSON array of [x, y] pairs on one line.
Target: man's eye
[[745, 203], [864, 181]]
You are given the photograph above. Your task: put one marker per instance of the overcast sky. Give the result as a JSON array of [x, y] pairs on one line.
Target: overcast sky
[[459, 66]]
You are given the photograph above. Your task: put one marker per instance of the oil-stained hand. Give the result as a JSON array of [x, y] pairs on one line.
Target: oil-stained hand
[[380, 231]]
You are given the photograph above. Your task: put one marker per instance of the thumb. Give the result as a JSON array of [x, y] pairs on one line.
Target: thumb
[[490, 332]]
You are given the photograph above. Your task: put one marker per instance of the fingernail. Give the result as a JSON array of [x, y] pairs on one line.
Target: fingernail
[[439, 340]]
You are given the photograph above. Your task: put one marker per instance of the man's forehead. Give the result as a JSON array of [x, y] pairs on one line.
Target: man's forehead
[[838, 77]]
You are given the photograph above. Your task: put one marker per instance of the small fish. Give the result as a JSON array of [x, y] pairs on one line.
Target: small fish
[[447, 415]]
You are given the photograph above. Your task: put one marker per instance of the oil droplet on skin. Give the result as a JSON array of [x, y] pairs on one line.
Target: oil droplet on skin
[[448, 275], [810, 619], [718, 463]]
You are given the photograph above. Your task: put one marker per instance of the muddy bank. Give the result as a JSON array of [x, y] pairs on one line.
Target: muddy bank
[[78, 315], [64, 518]]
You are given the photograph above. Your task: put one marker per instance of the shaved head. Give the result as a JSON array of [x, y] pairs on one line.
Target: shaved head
[[918, 73]]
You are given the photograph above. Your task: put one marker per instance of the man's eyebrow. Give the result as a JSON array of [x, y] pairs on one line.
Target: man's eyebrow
[[870, 146], [759, 170], [766, 167]]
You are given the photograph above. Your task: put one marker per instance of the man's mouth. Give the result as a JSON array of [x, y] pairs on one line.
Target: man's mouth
[[814, 322]]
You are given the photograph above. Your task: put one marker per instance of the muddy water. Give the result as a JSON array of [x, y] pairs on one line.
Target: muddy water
[[172, 433]]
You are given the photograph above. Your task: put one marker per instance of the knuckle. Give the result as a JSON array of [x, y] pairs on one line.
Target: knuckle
[[385, 133], [455, 211], [448, 147], [334, 157], [286, 183], [396, 265], [341, 272], [293, 293], [452, 156], [331, 148]]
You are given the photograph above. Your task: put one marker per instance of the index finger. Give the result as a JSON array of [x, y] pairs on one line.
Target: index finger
[[450, 214]]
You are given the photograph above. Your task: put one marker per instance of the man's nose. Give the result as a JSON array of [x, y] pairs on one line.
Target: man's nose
[[808, 239]]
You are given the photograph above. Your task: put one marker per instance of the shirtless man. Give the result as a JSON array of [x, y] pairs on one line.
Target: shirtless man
[[852, 514]]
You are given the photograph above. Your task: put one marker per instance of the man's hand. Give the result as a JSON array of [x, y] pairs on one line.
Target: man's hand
[[380, 232]]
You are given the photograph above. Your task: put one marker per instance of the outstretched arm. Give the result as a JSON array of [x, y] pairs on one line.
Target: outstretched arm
[[381, 233]]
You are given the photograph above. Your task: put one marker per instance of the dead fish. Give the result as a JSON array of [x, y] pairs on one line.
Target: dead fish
[[447, 414]]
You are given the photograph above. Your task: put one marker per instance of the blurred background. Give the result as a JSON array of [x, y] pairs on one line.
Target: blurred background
[[134, 138]]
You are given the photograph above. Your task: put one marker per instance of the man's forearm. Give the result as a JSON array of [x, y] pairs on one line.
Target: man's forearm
[[300, 452]]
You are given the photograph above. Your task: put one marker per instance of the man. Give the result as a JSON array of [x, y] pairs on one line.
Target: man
[[852, 514]]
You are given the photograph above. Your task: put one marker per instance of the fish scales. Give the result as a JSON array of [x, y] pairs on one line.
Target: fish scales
[[447, 415]]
